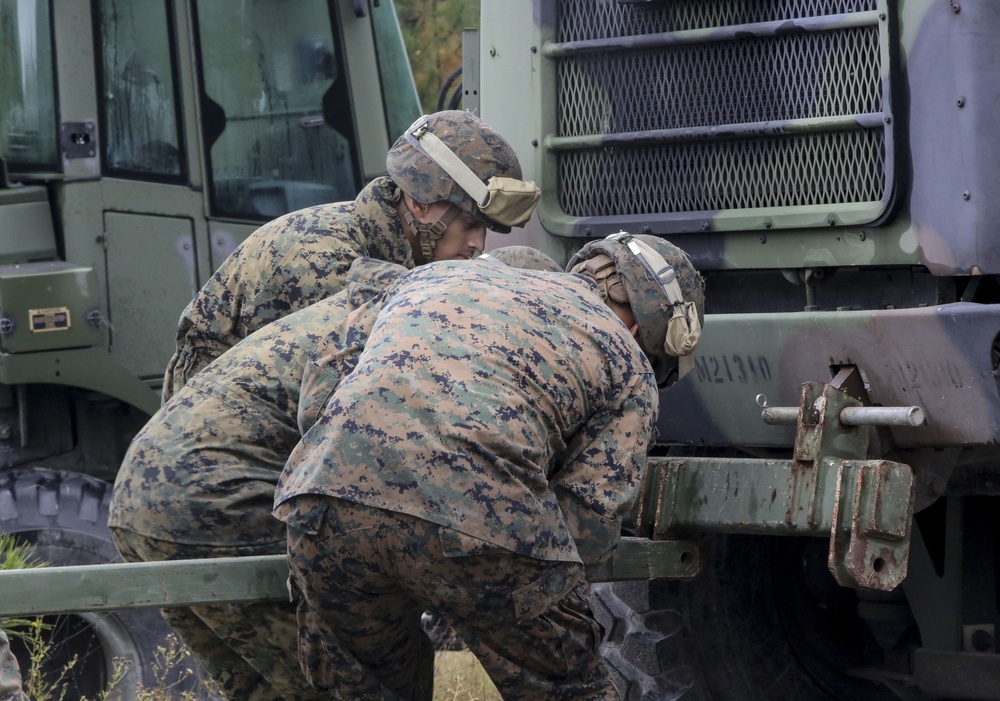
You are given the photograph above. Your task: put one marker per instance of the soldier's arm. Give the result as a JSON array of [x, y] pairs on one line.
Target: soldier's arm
[[599, 479]]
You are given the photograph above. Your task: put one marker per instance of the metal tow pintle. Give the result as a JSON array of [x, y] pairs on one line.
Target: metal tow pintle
[[829, 488]]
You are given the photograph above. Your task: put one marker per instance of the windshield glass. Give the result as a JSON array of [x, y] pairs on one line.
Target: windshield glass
[[272, 75], [139, 90], [399, 92], [27, 87]]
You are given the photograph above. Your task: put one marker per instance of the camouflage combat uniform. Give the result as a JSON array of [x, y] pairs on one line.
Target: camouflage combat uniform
[[198, 481], [10, 674], [284, 266], [482, 451]]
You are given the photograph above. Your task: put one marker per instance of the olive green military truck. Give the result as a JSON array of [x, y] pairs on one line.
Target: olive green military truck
[[819, 520], [833, 168], [140, 142]]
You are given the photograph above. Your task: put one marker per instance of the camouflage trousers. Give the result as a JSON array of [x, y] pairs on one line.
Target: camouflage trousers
[[10, 674], [248, 649], [365, 575]]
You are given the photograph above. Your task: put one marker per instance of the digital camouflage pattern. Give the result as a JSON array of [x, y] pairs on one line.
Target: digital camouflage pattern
[[10, 673], [284, 266], [528, 621], [513, 393], [510, 409], [651, 307], [474, 141], [198, 481], [524, 257]]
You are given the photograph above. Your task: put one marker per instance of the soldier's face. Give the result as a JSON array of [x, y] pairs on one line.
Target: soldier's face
[[464, 239]]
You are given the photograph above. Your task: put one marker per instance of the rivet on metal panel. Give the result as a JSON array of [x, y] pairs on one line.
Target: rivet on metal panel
[[705, 226], [966, 195], [767, 223], [763, 239], [863, 236], [831, 221], [960, 102], [534, 142], [956, 8]]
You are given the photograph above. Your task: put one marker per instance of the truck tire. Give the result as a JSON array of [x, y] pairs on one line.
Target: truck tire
[[763, 620], [63, 517]]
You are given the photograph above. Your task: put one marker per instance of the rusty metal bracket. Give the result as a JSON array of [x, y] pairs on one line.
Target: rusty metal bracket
[[829, 488], [870, 536]]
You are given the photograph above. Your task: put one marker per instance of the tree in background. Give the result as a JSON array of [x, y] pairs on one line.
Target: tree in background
[[432, 31]]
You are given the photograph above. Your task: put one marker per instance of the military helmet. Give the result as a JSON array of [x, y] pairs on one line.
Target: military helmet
[[420, 172], [661, 285], [524, 257]]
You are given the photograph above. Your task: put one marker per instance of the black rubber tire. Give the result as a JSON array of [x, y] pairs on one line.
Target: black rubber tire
[[63, 516], [763, 621]]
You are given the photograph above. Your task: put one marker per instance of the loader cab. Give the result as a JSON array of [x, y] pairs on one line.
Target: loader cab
[[140, 142], [146, 140]]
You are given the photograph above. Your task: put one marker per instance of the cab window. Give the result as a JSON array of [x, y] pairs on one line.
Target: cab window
[[276, 112], [28, 128], [138, 90]]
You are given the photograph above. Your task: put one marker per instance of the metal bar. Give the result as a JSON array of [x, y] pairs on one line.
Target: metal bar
[[809, 125], [106, 587], [47, 590], [689, 37], [743, 495], [853, 416], [882, 416], [779, 415]]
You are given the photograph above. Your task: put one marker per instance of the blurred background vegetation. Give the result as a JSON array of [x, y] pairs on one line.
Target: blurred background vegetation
[[432, 30]]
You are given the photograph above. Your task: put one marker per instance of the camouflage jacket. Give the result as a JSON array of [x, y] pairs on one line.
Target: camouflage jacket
[[284, 266], [510, 406], [203, 469], [10, 675]]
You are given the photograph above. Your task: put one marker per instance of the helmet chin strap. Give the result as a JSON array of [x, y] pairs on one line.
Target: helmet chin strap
[[428, 233]]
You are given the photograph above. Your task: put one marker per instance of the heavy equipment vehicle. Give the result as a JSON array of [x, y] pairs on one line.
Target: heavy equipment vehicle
[[830, 165], [819, 517], [140, 142]]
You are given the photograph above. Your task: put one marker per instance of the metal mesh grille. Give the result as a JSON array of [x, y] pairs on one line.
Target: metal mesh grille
[[769, 79], [602, 19]]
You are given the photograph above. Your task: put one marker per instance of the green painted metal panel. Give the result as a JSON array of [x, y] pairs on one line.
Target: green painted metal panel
[[48, 306], [87, 368], [151, 278]]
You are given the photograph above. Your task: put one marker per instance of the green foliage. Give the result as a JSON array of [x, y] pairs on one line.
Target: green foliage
[[432, 31]]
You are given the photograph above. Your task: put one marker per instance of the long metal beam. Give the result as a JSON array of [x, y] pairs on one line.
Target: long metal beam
[[106, 587]]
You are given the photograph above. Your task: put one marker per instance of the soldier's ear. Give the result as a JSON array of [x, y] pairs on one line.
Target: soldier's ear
[[419, 209]]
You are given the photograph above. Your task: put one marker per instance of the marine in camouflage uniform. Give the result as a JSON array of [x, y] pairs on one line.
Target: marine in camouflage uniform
[[198, 480], [10, 673], [483, 450], [304, 256]]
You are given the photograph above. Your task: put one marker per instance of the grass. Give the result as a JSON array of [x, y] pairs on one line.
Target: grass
[[458, 676]]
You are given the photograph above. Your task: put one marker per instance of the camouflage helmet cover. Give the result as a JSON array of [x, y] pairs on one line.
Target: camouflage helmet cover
[[654, 311], [525, 258], [474, 141]]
